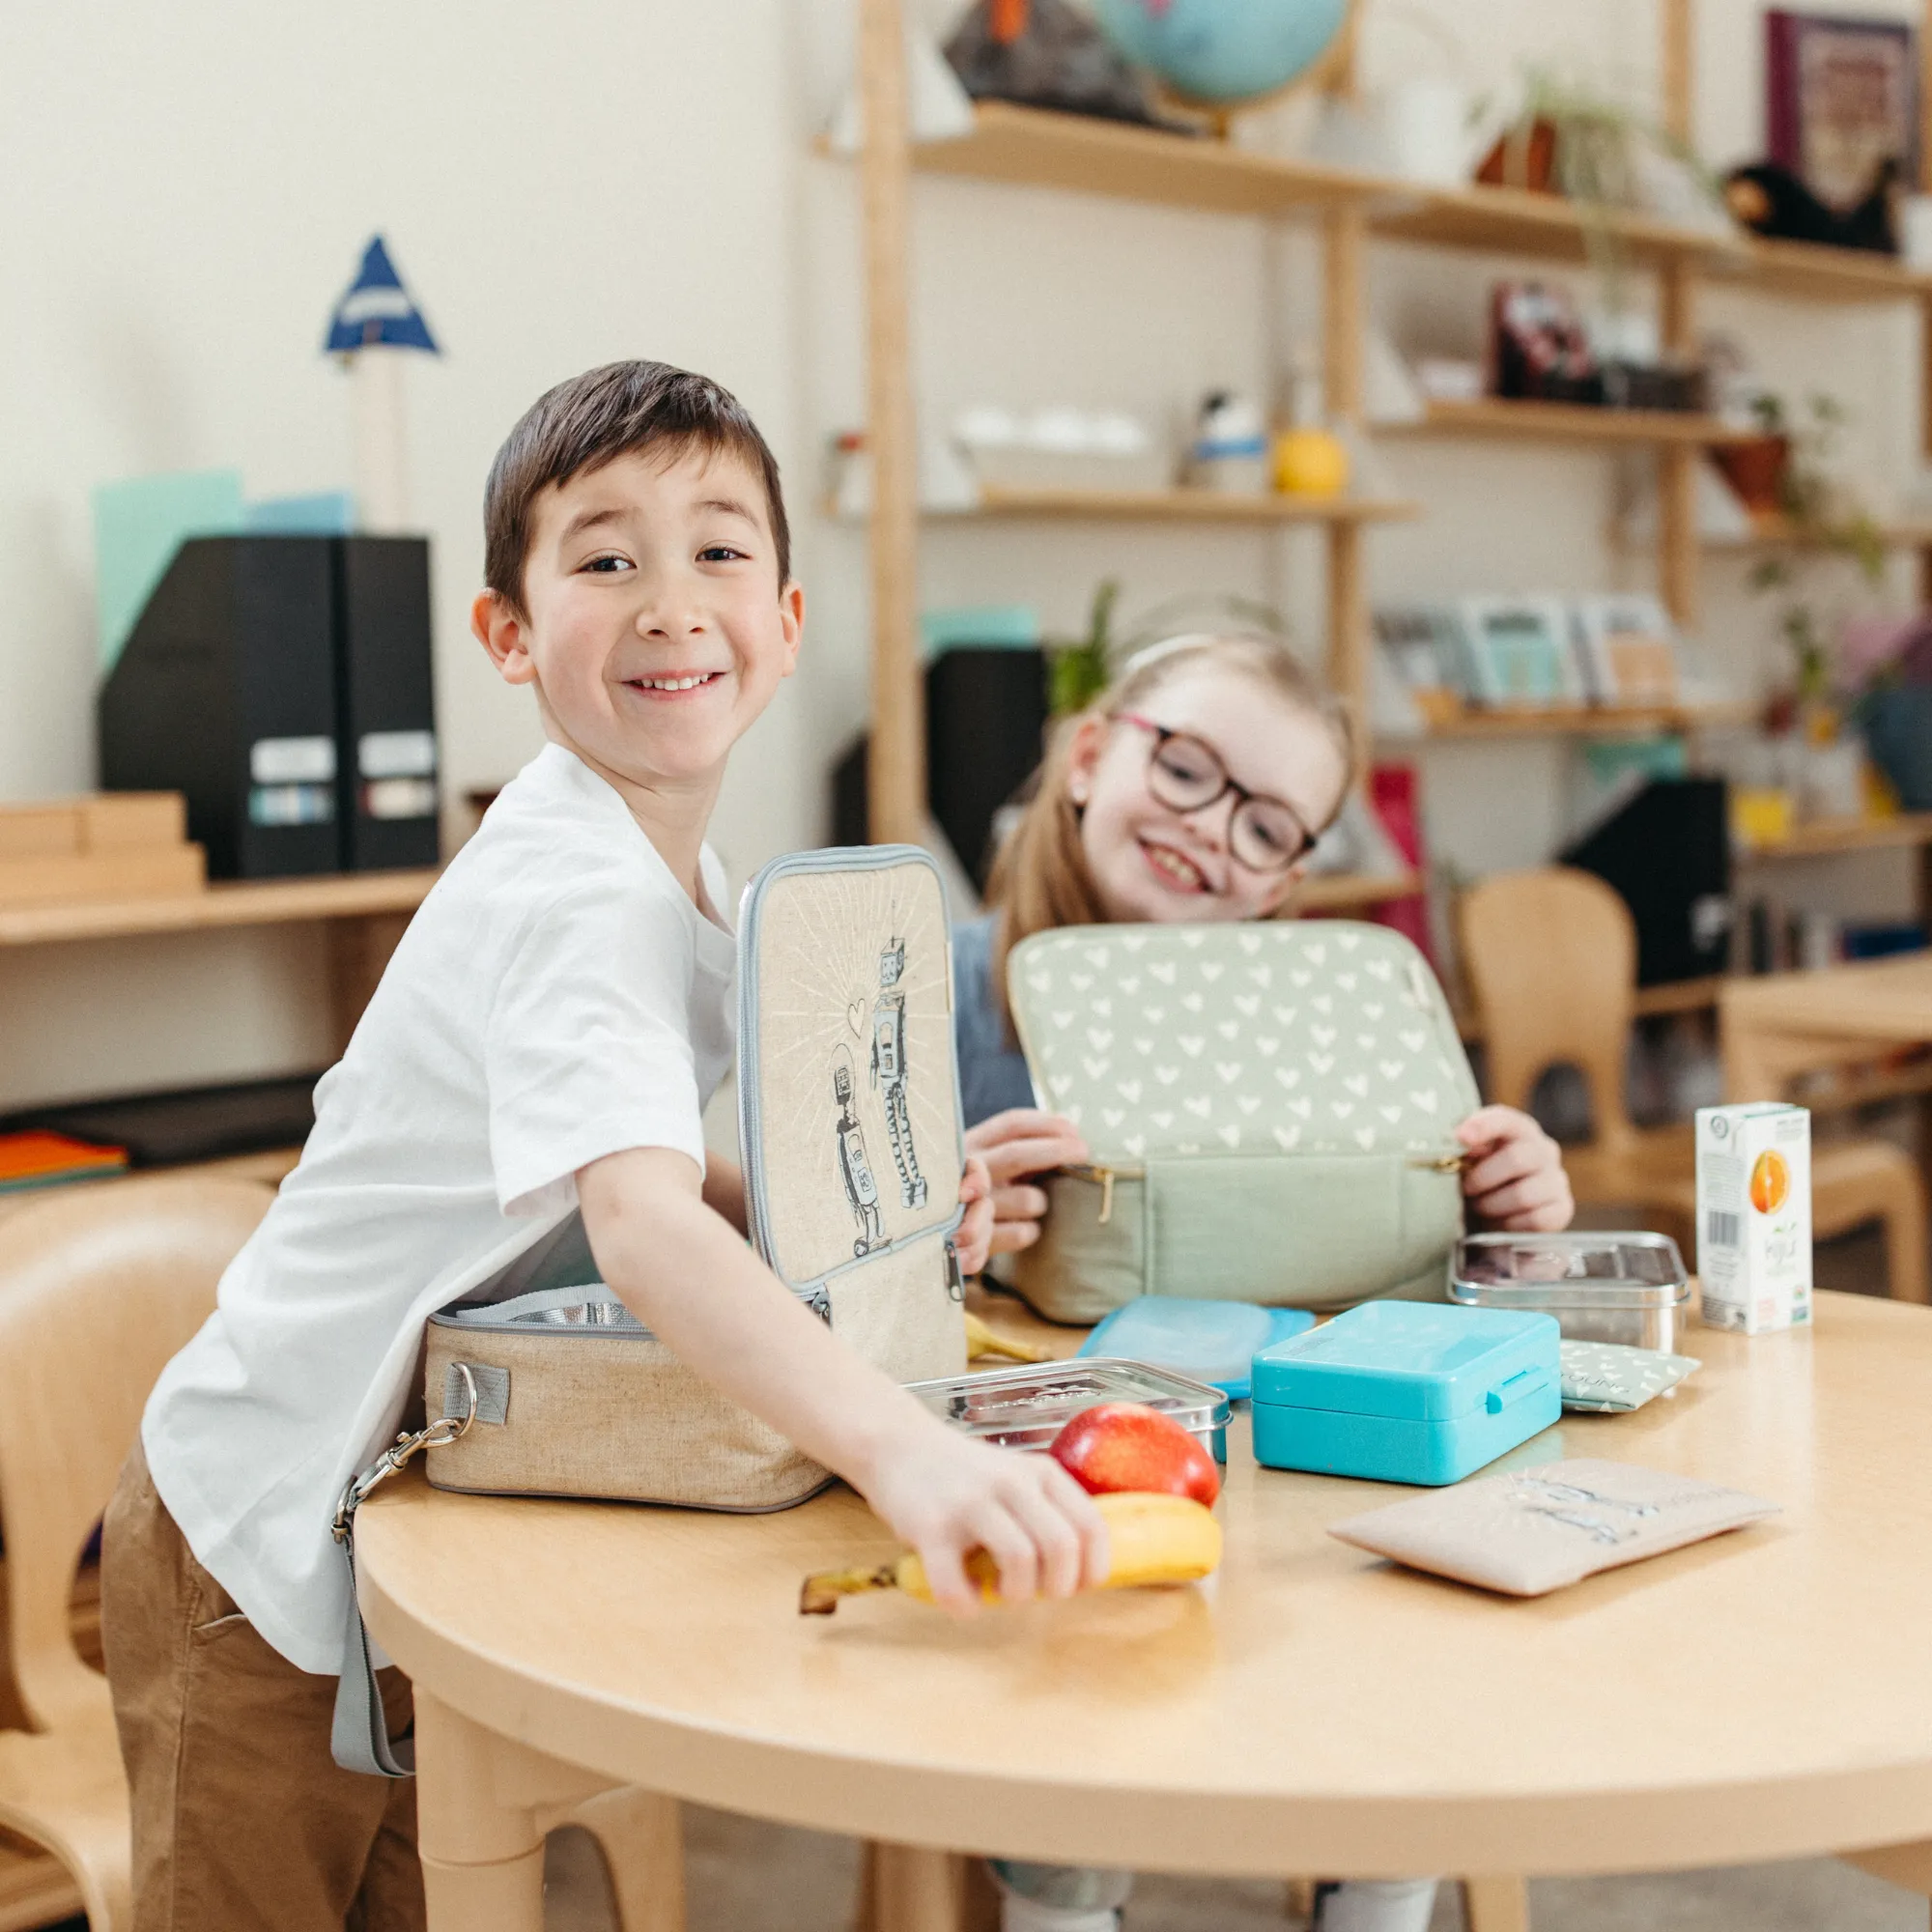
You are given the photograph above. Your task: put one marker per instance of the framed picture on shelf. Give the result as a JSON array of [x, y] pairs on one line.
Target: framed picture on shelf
[[1841, 99], [1519, 652], [1626, 649]]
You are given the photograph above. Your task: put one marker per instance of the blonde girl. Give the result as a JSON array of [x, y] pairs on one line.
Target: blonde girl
[[1194, 788]]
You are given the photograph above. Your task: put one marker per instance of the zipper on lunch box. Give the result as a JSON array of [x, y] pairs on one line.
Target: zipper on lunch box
[[1103, 1177]]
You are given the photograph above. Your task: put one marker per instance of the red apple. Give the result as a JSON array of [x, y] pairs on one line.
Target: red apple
[[1125, 1445]]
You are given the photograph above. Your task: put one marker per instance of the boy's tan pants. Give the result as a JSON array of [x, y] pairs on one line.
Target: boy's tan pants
[[243, 1821]]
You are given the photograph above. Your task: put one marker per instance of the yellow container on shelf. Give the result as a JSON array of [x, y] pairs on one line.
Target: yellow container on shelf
[[1310, 463], [1761, 815]]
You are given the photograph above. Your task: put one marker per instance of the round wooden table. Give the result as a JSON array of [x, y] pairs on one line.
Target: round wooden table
[[1766, 1695]]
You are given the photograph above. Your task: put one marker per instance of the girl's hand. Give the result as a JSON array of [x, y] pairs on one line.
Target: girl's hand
[[972, 1242], [1016, 1145], [1515, 1178], [949, 1495]]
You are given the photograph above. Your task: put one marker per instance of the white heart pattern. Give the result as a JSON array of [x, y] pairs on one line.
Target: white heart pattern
[[1113, 1115], [1357, 1083], [1202, 1104], [1247, 1102], [1412, 1039], [1321, 1062], [1285, 1015], [1364, 1138], [1323, 1003], [1193, 1002], [1061, 1082], [1228, 1029], [1230, 1135], [1426, 1099], [1063, 1019], [1094, 1068], [1391, 1069], [1322, 1036], [1154, 1016], [1288, 1076], [1096, 956], [1390, 1114], [1162, 970], [1382, 968], [1230, 1071], [1166, 1075], [1099, 1038], [1211, 970], [1340, 1109], [1250, 943], [1317, 953], [1135, 1144], [1268, 1048], [1163, 1119], [1130, 1091], [1191, 1044], [1302, 1107], [1262, 975], [1287, 1137], [1080, 980], [1248, 1005]]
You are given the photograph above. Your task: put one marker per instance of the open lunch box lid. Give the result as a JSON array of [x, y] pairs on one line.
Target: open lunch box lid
[[1025, 1408], [1211, 1341], [1415, 1360]]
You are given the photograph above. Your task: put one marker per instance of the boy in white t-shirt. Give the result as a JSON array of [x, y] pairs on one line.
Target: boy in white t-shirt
[[547, 1034]]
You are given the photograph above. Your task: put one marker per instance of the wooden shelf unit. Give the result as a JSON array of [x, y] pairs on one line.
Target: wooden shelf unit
[[1583, 722], [1181, 506], [1566, 422], [1828, 838], [1351, 892], [1030, 147], [226, 903]]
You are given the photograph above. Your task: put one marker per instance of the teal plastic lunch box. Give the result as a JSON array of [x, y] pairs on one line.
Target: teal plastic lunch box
[[1407, 1391]]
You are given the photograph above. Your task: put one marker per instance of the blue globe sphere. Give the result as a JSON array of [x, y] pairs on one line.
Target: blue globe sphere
[[1222, 52]]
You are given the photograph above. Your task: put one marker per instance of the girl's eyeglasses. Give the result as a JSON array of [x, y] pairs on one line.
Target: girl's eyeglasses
[[1186, 775]]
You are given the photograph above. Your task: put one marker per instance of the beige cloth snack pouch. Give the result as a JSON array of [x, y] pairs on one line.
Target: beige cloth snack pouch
[[1534, 1530]]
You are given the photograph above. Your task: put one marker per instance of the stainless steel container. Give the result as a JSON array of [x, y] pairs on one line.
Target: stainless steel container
[[1026, 1407], [1600, 1287]]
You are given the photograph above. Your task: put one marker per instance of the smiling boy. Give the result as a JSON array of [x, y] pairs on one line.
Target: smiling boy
[[545, 1040]]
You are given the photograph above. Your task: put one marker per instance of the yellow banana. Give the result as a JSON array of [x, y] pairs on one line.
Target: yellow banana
[[1150, 1539], [984, 1339]]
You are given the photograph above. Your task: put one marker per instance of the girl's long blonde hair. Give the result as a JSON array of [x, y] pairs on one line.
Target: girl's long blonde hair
[[1040, 877]]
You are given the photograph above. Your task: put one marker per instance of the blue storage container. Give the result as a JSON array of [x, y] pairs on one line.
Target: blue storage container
[[1407, 1391], [1214, 1342]]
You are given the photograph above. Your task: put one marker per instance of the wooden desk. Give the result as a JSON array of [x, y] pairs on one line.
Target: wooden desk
[[1789, 1023], [1764, 1695]]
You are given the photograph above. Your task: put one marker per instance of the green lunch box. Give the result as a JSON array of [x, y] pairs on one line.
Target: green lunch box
[[1270, 1107]]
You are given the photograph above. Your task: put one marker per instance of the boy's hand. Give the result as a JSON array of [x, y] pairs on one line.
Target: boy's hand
[[948, 1495], [1016, 1145], [972, 1242], [1515, 1178]]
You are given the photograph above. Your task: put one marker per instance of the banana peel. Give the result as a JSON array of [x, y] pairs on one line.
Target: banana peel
[[982, 1339], [1152, 1538]]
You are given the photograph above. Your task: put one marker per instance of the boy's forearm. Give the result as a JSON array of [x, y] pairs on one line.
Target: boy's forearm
[[684, 1272]]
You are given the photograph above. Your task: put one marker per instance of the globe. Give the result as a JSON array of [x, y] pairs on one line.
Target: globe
[[1222, 52]]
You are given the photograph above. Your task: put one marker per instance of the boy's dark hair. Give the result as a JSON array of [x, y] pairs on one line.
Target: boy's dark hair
[[596, 417]]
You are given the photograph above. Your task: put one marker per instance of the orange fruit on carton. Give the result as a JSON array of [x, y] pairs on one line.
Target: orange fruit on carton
[[1125, 1445], [1770, 1181]]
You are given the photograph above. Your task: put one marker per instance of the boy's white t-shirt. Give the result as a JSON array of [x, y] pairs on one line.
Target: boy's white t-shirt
[[558, 998]]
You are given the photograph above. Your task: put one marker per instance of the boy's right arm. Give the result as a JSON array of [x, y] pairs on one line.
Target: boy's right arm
[[684, 1272]]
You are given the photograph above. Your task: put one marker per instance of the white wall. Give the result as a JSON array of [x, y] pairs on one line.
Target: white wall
[[188, 189]]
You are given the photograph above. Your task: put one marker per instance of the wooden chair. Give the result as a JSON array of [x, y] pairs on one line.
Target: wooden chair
[[96, 1290], [1551, 958]]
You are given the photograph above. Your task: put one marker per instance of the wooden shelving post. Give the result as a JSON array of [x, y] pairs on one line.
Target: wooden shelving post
[[1345, 238], [1677, 549], [895, 767]]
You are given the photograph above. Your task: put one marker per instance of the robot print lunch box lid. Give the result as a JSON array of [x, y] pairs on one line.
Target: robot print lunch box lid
[[849, 1089]]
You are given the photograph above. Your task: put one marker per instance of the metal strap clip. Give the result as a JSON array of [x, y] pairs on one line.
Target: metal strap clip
[[446, 1429]]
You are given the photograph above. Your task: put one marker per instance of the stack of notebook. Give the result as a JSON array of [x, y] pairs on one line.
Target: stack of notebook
[[40, 1159]]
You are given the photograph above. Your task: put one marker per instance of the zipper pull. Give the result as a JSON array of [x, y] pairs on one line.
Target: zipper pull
[[1444, 1163], [955, 1281], [1103, 1179]]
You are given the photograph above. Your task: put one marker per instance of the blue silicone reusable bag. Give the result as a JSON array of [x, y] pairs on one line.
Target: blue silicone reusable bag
[[1215, 1342], [1407, 1391]]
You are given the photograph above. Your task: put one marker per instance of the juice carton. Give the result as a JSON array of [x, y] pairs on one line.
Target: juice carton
[[1754, 1216]]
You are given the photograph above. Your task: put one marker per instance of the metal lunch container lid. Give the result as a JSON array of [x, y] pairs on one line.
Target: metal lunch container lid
[[1584, 1270], [1025, 1408]]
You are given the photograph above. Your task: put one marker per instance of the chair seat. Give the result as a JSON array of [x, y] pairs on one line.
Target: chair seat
[[65, 1791]]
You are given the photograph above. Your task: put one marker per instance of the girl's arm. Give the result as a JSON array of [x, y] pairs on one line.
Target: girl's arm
[[1514, 1178], [684, 1272]]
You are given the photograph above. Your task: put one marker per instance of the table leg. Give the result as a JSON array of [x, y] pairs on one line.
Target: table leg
[[1908, 1866], [917, 1891], [482, 1805], [1496, 1905], [641, 1836]]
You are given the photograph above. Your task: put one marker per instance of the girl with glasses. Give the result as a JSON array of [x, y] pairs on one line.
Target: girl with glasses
[[1193, 789]]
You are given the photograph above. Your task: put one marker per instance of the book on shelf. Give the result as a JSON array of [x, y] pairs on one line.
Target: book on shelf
[[37, 1158]]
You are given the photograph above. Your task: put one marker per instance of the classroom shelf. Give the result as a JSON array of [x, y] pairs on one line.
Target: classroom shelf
[[1825, 837], [1350, 891], [1777, 532], [1187, 506], [1579, 720], [1504, 420], [1034, 148], [1030, 147], [227, 903]]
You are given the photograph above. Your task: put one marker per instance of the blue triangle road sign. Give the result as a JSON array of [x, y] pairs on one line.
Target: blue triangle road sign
[[377, 308]]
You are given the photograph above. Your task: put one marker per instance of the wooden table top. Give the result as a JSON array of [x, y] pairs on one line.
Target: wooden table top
[[1878, 998], [1764, 1694]]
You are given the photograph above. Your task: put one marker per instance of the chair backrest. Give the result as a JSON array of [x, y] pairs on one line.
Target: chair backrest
[[1552, 960], [98, 1288]]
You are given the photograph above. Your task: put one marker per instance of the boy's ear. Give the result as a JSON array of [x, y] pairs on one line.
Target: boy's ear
[[504, 634], [791, 621]]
